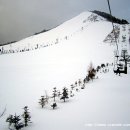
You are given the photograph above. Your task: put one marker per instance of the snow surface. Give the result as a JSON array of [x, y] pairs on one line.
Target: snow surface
[[25, 76]]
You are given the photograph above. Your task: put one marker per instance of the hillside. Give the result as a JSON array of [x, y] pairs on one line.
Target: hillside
[[54, 36], [57, 58]]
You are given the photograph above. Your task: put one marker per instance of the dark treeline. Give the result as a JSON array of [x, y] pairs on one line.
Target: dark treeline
[[45, 30], [7, 43], [111, 18]]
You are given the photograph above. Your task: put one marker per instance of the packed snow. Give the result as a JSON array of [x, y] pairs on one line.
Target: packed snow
[[58, 58]]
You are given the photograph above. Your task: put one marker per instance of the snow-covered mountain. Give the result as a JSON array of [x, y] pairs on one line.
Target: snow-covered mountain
[[56, 35], [58, 58]]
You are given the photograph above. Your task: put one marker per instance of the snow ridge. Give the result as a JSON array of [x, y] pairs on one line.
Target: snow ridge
[[54, 36]]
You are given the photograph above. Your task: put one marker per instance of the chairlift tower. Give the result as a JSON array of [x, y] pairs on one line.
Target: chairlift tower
[[124, 55]]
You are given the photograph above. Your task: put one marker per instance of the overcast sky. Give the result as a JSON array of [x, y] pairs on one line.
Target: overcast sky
[[22, 18]]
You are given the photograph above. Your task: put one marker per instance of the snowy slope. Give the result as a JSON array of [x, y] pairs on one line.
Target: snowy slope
[[25, 76], [56, 35]]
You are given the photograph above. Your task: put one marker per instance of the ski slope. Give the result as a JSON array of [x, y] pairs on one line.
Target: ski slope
[[26, 75]]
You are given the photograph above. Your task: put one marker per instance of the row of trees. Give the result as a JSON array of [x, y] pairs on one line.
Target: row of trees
[[66, 93], [24, 49], [28, 47], [111, 18], [55, 94], [15, 122]]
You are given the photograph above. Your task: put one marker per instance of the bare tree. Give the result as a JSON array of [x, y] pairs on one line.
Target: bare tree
[[91, 72]]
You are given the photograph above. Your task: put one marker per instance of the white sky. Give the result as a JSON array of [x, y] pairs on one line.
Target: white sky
[[22, 18]]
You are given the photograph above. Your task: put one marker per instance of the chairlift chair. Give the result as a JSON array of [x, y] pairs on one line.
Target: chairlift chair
[[119, 67]]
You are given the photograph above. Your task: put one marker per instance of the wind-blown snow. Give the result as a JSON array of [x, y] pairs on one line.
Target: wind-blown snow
[[26, 75]]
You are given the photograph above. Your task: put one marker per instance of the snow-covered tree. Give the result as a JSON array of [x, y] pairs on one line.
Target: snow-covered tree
[[54, 93], [15, 121], [47, 97], [72, 87], [79, 82], [76, 83], [91, 72], [83, 86], [42, 101], [64, 94], [26, 116], [59, 93], [71, 93], [10, 120], [98, 68], [57, 40], [54, 105]]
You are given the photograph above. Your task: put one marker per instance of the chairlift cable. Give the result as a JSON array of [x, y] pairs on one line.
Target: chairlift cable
[[113, 30]]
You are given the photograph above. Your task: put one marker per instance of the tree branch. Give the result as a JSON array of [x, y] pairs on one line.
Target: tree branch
[[1, 114]]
